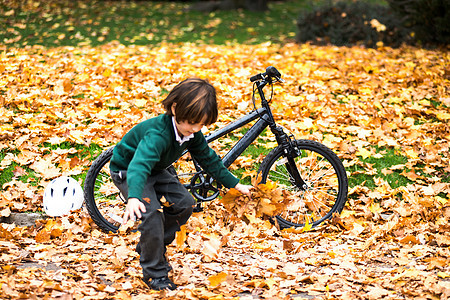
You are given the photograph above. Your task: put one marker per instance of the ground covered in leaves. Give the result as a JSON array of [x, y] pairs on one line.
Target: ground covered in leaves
[[60, 106]]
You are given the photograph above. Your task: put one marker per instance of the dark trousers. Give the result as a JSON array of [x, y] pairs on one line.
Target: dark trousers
[[160, 222]]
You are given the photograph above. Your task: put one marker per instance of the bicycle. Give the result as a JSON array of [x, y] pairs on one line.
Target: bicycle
[[308, 169]]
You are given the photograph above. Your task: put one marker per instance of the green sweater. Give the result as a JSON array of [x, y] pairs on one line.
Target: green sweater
[[151, 146]]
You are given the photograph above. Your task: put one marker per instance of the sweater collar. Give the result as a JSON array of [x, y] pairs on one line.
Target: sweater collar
[[179, 139]]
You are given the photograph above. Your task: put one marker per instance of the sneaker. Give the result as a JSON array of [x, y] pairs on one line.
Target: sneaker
[[161, 283]]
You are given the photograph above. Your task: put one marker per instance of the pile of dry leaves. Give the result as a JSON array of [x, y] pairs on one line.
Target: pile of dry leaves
[[391, 241]]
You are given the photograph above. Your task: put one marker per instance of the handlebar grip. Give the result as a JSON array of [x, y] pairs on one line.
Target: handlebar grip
[[270, 71], [256, 77]]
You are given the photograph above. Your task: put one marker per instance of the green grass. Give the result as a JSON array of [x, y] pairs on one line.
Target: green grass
[[8, 173], [78, 23], [90, 152], [82, 152], [391, 157]]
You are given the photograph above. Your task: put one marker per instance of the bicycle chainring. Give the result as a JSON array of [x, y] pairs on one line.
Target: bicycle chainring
[[204, 187]]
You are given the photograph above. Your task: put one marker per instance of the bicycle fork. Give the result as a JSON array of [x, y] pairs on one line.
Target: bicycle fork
[[289, 153]]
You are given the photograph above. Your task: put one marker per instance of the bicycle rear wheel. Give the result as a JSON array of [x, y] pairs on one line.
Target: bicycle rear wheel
[[324, 175], [103, 199]]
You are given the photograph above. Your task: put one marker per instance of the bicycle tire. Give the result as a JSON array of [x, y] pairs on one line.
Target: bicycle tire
[[324, 174], [102, 197]]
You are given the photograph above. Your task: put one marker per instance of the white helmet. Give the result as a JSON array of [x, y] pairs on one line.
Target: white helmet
[[61, 196]]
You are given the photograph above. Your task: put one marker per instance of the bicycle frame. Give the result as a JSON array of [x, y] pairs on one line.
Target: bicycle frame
[[248, 138], [265, 119], [282, 164]]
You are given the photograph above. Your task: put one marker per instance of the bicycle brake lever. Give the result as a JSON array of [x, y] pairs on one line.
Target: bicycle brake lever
[[279, 79]]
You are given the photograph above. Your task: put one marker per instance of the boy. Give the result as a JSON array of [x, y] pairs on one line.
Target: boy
[[138, 168]]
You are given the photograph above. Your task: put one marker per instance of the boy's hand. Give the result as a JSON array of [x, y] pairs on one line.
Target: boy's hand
[[133, 210], [244, 189]]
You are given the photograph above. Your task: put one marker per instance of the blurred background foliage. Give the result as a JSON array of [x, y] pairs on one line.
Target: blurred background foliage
[[369, 22]]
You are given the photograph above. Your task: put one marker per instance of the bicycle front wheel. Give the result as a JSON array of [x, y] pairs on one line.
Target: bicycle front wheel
[[326, 184], [103, 199]]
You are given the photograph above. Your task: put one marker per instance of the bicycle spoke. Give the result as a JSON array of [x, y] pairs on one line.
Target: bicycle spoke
[[314, 201], [284, 178], [329, 172]]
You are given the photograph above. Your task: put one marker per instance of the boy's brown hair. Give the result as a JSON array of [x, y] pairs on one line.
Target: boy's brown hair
[[195, 100]]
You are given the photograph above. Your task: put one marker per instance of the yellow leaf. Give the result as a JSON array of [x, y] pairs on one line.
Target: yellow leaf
[[443, 116], [375, 208], [409, 273], [411, 153], [217, 279], [307, 123], [247, 173], [251, 218], [77, 136], [50, 224], [307, 226], [395, 100], [368, 91], [269, 145], [181, 236], [140, 102], [353, 97], [363, 152], [346, 213], [107, 73], [270, 282], [441, 200]]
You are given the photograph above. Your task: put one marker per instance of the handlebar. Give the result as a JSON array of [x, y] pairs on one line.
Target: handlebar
[[271, 72]]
